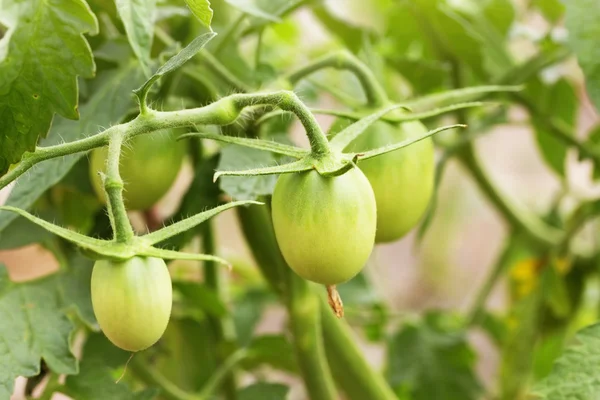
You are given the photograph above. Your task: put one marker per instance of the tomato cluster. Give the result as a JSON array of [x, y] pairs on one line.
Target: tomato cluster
[[326, 227]]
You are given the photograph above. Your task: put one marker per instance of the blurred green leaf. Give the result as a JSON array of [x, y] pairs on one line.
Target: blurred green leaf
[[348, 33], [431, 359], [553, 10], [558, 100], [264, 391], [38, 328], [575, 374], [201, 296], [235, 157], [274, 350], [99, 371], [581, 20], [247, 311]]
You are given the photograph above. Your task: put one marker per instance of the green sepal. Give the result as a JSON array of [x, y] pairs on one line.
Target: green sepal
[[266, 145], [395, 146], [139, 245]]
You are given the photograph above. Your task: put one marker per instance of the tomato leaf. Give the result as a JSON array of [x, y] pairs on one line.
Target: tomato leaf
[[38, 329], [201, 9], [560, 101], [174, 62], [255, 8], [108, 105], [46, 51], [138, 19], [431, 359], [582, 22], [264, 391], [99, 371], [274, 350], [575, 373]]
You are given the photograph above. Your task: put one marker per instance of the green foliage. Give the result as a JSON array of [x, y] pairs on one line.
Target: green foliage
[[431, 359], [42, 81], [582, 21], [574, 373]]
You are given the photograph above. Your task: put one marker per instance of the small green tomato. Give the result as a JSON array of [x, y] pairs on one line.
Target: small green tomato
[[149, 165], [132, 301], [325, 226], [402, 180]]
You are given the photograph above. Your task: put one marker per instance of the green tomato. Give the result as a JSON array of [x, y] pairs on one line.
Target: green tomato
[[149, 165], [132, 301], [325, 226], [403, 180]]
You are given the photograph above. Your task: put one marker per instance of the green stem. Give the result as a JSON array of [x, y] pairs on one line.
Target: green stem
[[222, 327], [305, 321], [218, 113], [559, 129], [113, 186], [288, 101], [538, 230], [376, 96], [221, 374], [151, 377], [348, 365], [476, 312]]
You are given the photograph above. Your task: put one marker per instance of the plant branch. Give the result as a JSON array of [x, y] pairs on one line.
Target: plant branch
[[222, 112], [113, 187], [376, 96], [533, 226], [152, 377], [221, 373]]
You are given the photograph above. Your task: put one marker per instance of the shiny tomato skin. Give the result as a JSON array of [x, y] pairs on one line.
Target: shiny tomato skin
[[132, 300], [402, 180], [325, 226], [149, 165]]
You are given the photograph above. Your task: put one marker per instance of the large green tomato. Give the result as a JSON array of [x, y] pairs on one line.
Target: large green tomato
[[149, 165], [403, 180], [132, 300], [325, 226]]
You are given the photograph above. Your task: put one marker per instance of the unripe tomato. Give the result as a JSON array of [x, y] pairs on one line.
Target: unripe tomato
[[132, 300], [149, 165], [325, 226], [403, 180]]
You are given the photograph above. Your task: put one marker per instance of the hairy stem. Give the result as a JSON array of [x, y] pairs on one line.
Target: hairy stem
[[113, 187], [212, 114], [221, 374], [376, 96]]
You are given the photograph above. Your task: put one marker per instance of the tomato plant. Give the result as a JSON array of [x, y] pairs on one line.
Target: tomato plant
[[436, 241]]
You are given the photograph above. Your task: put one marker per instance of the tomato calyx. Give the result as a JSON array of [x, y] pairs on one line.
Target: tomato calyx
[[137, 245]]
